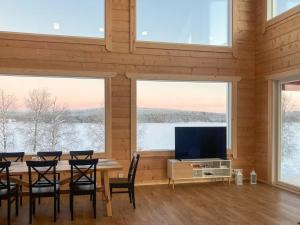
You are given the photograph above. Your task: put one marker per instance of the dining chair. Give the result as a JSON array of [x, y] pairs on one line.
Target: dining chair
[[86, 154], [126, 183], [53, 155], [8, 191], [14, 157], [83, 181], [45, 184], [49, 155]]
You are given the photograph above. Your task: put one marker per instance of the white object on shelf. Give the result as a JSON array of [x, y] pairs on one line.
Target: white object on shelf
[[239, 177], [253, 177]]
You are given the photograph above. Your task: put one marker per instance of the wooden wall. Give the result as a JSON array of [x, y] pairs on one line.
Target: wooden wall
[[277, 50], [84, 57]]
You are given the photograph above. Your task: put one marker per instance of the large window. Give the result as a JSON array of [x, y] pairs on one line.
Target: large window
[[51, 113], [277, 7], [205, 22], [53, 17], [164, 105], [289, 141]]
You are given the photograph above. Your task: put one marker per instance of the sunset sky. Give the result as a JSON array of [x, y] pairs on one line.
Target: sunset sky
[[74, 93], [193, 96]]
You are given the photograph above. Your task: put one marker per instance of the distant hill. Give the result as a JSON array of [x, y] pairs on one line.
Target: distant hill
[[147, 115]]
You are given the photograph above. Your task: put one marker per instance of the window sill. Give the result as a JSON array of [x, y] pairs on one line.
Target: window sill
[[51, 38], [185, 47], [282, 17], [156, 153]]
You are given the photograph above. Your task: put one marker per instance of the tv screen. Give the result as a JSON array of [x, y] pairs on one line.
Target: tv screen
[[200, 142]]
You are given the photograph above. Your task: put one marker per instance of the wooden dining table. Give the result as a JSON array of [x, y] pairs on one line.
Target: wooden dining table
[[103, 168]]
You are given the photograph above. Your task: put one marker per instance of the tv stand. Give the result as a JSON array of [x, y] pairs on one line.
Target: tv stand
[[190, 170]]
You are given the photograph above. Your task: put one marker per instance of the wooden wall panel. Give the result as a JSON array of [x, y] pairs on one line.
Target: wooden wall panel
[[92, 57], [277, 50]]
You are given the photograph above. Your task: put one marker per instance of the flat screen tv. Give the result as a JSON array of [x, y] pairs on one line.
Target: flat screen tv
[[200, 142]]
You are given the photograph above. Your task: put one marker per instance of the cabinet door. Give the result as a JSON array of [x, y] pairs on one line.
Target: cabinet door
[[182, 171]]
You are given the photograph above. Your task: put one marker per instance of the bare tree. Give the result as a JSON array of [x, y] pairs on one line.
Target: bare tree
[[56, 122], [96, 134], [6, 104], [287, 132], [38, 102]]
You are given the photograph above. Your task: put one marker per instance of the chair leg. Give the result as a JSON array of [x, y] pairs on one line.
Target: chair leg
[[58, 202], [30, 210], [130, 196], [110, 192], [54, 205], [17, 203], [21, 189], [72, 206], [39, 200], [8, 210], [133, 196], [33, 206], [94, 205]]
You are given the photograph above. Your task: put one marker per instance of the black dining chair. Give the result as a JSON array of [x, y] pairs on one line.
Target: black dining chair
[[45, 184], [83, 181], [8, 191], [53, 155], [86, 154], [49, 155], [14, 157], [126, 183]]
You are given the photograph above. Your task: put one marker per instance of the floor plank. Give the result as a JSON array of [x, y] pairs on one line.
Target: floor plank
[[188, 204]]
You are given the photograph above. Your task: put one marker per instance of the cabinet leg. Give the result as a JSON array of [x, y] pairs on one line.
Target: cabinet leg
[[169, 181], [173, 185]]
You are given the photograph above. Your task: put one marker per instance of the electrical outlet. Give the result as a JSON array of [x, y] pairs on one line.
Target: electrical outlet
[[120, 175]]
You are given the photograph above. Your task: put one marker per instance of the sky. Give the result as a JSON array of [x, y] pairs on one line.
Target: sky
[[60, 17], [157, 20], [194, 22], [73, 93], [284, 5], [190, 96]]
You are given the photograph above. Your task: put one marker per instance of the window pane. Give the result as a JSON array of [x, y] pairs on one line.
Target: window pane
[[289, 168], [54, 17], [280, 6], [190, 22], [51, 113], [164, 105]]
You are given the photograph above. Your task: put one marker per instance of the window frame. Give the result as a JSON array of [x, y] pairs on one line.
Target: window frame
[[278, 97], [106, 41], [233, 80], [270, 20], [273, 128], [107, 76], [136, 44]]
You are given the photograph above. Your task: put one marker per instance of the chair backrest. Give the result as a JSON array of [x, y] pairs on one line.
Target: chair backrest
[[4, 175], [46, 173], [54, 155], [87, 154], [133, 168], [12, 156], [83, 168]]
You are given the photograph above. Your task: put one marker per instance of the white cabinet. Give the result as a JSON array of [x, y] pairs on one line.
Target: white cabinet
[[198, 169]]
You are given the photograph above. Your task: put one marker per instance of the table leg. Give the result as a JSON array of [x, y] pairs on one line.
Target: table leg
[[107, 193]]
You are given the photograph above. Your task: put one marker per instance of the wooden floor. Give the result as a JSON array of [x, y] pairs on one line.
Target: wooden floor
[[197, 204]]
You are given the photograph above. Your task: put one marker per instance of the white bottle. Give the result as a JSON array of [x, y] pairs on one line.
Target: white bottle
[[253, 177], [239, 178]]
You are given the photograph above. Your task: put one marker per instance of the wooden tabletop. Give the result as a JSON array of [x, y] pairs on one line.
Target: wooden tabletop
[[17, 168]]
